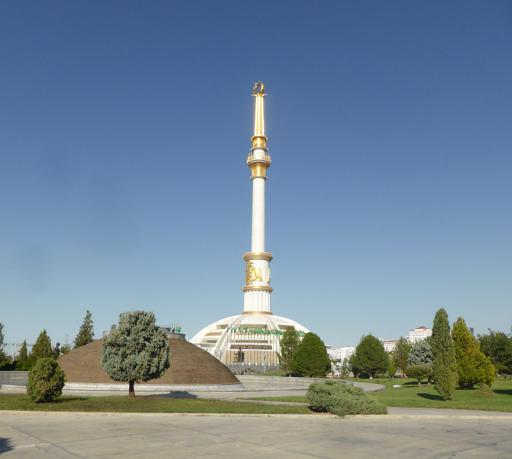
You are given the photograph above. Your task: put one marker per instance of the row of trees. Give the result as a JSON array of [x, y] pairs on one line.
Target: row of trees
[[42, 348], [306, 357], [135, 350], [449, 358]]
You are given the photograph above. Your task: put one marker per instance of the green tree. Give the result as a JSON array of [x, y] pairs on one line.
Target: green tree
[[498, 346], [444, 363], [86, 333], [419, 372], [311, 358], [369, 358], [473, 366], [421, 353], [23, 354], [65, 349], [289, 344], [345, 367], [391, 366], [23, 361], [401, 353], [4, 359], [136, 350], [45, 381], [42, 348]]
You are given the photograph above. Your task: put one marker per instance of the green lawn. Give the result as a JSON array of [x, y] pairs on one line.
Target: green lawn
[[284, 398], [425, 396], [145, 404]]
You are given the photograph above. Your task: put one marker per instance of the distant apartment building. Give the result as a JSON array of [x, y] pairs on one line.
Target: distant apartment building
[[419, 334], [340, 353], [389, 344]]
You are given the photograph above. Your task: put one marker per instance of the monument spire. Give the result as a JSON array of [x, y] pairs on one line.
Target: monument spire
[[252, 339], [257, 288]]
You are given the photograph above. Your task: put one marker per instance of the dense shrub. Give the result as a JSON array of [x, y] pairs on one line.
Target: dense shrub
[[45, 381], [342, 399], [419, 372]]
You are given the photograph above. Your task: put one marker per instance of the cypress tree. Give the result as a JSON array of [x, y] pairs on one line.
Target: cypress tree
[[23, 354], [311, 358], [289, 344], [3, 356], [42, 348], [86, 333], [444, 364], [474, 367]]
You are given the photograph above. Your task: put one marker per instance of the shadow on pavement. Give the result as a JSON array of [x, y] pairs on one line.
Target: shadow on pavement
[[5, 445]]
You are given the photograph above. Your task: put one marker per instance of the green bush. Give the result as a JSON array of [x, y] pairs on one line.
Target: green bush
[[419, 372], [45, 381], [342, 399]]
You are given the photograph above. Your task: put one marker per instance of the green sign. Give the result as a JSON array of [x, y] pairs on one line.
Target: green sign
[[259, 331]]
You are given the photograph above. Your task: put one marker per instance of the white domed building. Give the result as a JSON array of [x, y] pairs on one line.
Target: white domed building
[[252, 339]]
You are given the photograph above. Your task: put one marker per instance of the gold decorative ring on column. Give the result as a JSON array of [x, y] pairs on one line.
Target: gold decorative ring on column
[[257, 288], [258, 256], [259, 141]]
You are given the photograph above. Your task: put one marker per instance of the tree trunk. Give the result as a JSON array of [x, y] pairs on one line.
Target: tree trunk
[[131, 390]]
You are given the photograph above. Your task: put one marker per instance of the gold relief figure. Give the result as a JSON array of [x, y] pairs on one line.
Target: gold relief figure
[[252, 273]]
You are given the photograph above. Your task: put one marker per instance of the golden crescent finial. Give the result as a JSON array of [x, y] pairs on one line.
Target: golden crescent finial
[[258, 88]]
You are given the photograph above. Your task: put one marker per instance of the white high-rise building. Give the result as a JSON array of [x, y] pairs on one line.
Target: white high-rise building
[[253, 337], [419, 334]]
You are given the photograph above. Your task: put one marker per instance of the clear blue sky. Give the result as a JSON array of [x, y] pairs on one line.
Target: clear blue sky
[[124, 129]]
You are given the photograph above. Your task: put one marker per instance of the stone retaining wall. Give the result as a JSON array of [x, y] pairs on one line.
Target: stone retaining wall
[[14, 378]]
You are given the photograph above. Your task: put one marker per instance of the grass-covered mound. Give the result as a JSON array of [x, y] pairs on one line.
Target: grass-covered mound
[[342, 399]]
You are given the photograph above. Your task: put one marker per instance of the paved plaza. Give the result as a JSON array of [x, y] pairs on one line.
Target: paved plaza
[[77, 435]]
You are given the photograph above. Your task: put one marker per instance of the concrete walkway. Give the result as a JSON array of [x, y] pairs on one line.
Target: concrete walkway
[[91, 435]]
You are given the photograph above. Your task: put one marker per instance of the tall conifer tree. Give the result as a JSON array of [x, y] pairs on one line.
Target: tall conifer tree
[[473, 366], [289, 344], [42, 348], [445, 364], [86, 332]]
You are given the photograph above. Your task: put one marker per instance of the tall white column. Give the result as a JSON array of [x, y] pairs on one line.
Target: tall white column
[[257, 288], [258, 214]]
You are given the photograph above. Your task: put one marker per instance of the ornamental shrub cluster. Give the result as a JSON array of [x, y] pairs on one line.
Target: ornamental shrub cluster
[[342, 399], [45, 381]]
